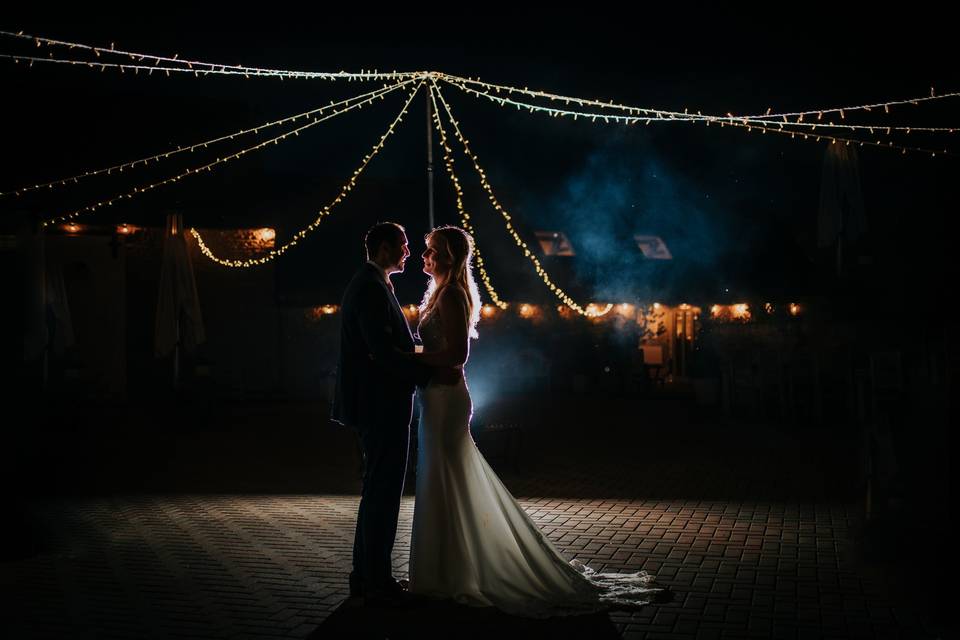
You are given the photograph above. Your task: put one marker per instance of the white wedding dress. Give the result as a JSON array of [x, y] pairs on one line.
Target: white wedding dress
[[473, 543]]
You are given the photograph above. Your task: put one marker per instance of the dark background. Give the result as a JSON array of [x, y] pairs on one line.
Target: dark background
[[737, 209]]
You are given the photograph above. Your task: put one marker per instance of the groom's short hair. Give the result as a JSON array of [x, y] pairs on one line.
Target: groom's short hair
[[389, 232]]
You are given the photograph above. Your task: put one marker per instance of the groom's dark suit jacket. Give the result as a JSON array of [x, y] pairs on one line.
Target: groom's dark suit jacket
[[375, 384]]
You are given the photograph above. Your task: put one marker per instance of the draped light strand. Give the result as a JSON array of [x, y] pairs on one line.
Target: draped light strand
[[207, 167], [763, 126], [347, 187], [192, 66], [203, 145], [464, 216], [176, 64], [841, 111], [818, 137], [637, 113], [225, 71], [675, 117], [566, 299]]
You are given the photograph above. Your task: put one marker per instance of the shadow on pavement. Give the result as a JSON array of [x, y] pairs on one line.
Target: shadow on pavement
[[447, 619]]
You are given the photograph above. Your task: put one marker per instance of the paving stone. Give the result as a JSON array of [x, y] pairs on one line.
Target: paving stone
[[742, 561]]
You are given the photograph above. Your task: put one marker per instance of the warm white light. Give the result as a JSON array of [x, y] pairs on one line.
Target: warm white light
[[768, 122], [596, 310]]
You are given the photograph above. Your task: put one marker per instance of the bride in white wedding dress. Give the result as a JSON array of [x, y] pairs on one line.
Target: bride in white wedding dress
[[472, 542]]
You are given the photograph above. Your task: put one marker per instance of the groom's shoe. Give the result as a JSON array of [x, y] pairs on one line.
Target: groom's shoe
[[392, 594], [356, 586]]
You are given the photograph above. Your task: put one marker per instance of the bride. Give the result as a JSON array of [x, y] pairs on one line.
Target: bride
[[472, 542]]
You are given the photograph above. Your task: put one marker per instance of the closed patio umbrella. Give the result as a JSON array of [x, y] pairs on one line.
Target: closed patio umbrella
[[179, 320], [841, 219]]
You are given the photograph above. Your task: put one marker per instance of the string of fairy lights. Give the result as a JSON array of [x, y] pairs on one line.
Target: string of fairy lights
[[807, 125], [195, 67], [347, 187], [200, 145], [648, 115], [816, 137], [461, 210], [672, 116], [209, 166], [201, 67], [750, 124], [582, 102], [541, 272], [223, 71]]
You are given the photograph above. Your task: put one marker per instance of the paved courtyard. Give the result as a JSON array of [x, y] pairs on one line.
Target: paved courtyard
[[750, 528]]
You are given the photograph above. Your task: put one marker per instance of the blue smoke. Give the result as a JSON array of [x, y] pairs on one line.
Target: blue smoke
[[621, 191]]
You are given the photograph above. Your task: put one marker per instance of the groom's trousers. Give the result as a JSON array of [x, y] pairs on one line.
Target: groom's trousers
[[384, 442]]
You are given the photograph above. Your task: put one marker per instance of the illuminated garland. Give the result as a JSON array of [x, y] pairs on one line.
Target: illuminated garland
[[817, 137], [636, 114], [598, 311], [464, 216], [834, 139], [749, 125], [746, 123], [209, 166], [566, 299], [841, 111], [853, 127], [137, 68], [650, 115], [197, 67], [780, 123], [348, 186], [686, 116], [162, 156], [193, 66]]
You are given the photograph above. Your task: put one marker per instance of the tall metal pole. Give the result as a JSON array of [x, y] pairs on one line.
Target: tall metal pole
[[429, 162]]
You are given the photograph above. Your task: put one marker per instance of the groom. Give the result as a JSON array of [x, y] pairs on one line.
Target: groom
[[374, 394]]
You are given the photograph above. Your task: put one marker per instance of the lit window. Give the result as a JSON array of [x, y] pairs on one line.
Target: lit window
[[555, 243], [653, 247]]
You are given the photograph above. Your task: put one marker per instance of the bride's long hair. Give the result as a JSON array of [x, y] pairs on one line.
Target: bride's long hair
[[456, 246]]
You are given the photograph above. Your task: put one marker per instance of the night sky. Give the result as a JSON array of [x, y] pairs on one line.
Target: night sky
[[736, 208]]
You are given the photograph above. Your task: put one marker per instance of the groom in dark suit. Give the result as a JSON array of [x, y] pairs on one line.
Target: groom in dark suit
[[374, 394]]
